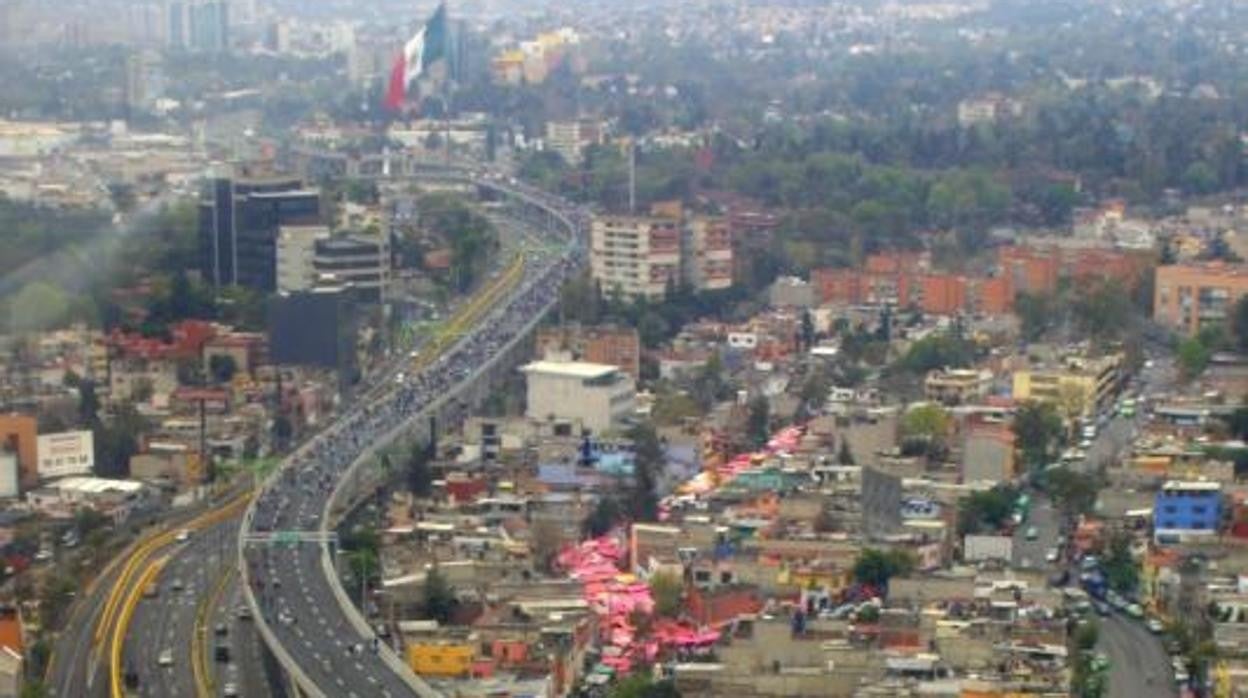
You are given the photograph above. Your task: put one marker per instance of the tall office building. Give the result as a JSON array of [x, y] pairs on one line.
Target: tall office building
[[198, 25], [146, 24], [209, 24], [176, 29], [144, 79], [239, 223]]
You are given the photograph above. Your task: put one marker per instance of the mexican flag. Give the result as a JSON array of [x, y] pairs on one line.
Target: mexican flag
[[429, 45]]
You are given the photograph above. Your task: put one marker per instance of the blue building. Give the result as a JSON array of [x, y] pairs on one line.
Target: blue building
[[1186, 510]]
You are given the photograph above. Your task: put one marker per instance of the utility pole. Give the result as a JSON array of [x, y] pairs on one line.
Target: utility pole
[[632, 176]]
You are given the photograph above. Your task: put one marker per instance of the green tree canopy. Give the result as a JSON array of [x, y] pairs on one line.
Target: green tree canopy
[[877, 567], [1037, 431]]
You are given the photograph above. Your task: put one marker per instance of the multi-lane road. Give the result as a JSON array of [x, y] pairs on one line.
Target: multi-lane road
[[315, 632], [164, 623]]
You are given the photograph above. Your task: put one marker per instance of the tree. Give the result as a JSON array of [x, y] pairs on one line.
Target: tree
[[648, 462], [808, 329], [642, 685], [708, 385], [1074, 492], [1239, 325], [118, 440], [1087, 636], [419, 473], [877, 567], [928, 421], [758, 423], [1036, 314], [88, 405], [1072, 397], [1103, 310], [1121, 571], [222, 367], [602, 518], [1193, 356], [364, 568], [439, 598], [1037, 431], [985, 511], [844, 456], [667, 590], [938, 351]]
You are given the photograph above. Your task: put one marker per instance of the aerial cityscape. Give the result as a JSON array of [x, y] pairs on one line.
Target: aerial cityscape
[[735, 348]]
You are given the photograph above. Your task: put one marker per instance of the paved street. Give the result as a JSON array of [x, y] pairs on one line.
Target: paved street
[[1030, 554], [166, 622], [1139, 665]]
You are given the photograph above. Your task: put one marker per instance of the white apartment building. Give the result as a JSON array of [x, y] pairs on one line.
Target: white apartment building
[[594, 396], [570, 138], [636, 255], [296, 252]]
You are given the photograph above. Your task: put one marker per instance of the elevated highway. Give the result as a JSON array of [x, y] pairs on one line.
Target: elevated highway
[[286, 550]]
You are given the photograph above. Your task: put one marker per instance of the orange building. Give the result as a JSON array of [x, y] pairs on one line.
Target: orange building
[[1029, 270], [854, 287], [943, 294], [607, 344], [1190, 296], [20, 432], [1036, 269], [839, 286], [995, 295]]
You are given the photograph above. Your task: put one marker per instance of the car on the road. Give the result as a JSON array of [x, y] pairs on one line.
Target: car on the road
[[176, 585], [165, 659], [222, 629], [1031, 533], [1180, 669], [1155, 626], [183, 536], [243, 612], [230, 690], [1102, 608], [222, 654], [1053, 554], [1135, 610]]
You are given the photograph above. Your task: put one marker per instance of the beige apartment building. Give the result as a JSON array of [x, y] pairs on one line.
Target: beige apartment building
[[636, 255], [642, 255], [1188, 297], [1078, 385]]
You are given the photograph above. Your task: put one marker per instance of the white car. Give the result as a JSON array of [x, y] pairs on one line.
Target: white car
[[165, 659], [183, 536], [1052, 555]]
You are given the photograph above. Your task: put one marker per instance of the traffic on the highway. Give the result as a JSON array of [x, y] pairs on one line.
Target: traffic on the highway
[[293, 595]]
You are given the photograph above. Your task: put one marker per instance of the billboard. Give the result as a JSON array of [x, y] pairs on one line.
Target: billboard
[[311, 328], [65, 453], [881, 502]]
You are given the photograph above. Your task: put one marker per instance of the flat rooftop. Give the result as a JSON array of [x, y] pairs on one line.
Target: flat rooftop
[[570, 369], [1180, 485]]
